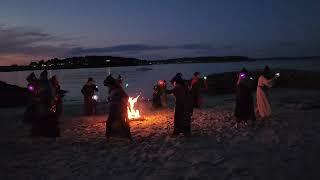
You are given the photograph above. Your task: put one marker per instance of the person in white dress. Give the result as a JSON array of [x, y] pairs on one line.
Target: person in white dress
[[265, 82]]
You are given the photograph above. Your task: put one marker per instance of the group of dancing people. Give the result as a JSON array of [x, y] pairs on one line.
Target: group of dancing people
[[45, 105], [187, 97], [245, 108]]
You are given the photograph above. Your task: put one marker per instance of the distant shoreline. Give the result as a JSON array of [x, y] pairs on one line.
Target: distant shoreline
[[108, 61], [101, 62]]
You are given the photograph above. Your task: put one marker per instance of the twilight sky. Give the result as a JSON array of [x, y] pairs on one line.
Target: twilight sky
[[157, 29]]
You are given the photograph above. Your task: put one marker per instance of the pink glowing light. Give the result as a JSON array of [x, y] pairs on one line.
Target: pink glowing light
[[30, 88]]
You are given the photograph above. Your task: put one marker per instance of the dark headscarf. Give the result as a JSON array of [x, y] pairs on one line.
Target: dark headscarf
[[178, 80], [267, 72], [244, 70], [31, 77], [176, 77], [90, 79], [110, 81], [44, 75]]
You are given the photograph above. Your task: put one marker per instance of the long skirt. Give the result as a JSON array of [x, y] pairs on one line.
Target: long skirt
[[263, 105], [197, 100], [244, 109], [89, 106], [116, 125], [46, 126], [182, 120]]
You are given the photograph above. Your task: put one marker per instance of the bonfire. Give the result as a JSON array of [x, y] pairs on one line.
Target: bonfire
[[132, 112]]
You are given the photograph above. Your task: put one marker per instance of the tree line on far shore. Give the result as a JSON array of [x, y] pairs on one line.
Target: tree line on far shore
[[112, 61]]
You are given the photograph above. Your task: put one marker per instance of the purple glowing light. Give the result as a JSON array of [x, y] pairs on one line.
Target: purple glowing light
[[242, 75], [30, 88]]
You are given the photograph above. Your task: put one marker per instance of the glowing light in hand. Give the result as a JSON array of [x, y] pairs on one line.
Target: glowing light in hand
[[95, 97], [30, 88], [242, 75]]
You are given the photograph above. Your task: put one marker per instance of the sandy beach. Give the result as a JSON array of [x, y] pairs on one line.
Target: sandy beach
[[285, 147]]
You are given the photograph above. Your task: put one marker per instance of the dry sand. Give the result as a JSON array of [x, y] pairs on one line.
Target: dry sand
[[285, 147]]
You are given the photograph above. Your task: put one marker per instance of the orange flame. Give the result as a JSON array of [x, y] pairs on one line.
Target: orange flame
[[133, 113]]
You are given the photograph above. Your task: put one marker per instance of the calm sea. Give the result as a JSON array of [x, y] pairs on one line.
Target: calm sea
[[141, 81]]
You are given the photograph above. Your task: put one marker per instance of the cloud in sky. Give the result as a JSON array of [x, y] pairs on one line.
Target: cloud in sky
[[139, 48], [20, 45]]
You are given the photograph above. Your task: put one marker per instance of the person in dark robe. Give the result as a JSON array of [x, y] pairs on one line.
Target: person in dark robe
[[57, 94], [117, 124], [33, 88], [183, 106], [244, 109], [88, 91], [159, 96], [178, 75], [156, 99], [163, 94], [120, 80], [197, 85], [46, 124]]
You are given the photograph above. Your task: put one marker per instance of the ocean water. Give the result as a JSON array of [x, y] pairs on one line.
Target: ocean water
[[141, 81]]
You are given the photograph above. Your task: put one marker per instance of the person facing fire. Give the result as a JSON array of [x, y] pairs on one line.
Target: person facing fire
[[46, 122], [244, 109], [159, 94], [33, 99], [196, 88], [163, 94], [57, 94], [117, 124], [120, 80], [178, 75], [183, 106], [88, 91], [156, 100]]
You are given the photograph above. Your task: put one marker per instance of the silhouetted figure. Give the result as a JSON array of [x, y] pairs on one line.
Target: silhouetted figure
[[117, 124], [178, 75], [156, 100], [159, 98], [57, 93], [88, 91], [33, 99], [120, 80], [197, 87], [244, 109], [46, 123], [183, 106], [163, 93], [265, 82]]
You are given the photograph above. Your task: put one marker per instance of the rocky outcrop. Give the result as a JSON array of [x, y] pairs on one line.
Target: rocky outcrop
[[12, 96]]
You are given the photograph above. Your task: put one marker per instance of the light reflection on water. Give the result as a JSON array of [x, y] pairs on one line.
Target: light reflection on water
[[140, 81]]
